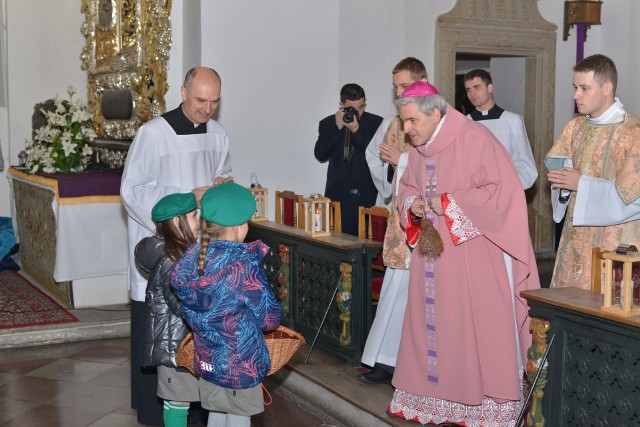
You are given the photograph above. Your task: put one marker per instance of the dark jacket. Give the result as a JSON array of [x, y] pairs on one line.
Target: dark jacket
[[228, 308], [348, 182], [164, 328]]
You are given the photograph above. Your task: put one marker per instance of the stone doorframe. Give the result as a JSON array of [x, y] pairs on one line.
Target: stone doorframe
[[509, 28]]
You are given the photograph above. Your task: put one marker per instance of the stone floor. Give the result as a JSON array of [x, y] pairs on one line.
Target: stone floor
[[86, 383], [77, 375]]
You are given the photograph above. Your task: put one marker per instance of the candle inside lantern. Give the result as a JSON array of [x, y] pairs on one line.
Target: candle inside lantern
[[318, 219]]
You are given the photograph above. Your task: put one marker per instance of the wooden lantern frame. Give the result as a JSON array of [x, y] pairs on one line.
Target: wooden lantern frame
[[317, 208], [261, 194], [626, 308]]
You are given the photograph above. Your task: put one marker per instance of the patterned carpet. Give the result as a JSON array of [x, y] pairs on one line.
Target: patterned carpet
[[22, 304]]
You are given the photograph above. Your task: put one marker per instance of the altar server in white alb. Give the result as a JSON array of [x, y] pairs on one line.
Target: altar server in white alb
[[387, 156], [183, 150], [506, 126]]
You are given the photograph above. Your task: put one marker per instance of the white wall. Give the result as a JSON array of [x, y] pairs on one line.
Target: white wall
[[44, 44], [178, 53], [4, 116], [282, 64], [632, 92], [420, 29], [4, 113], [613, 38], [3, 54], [280, 76], [507, 75]]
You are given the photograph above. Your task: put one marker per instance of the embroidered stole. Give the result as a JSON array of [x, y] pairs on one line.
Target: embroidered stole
[[430, 288]]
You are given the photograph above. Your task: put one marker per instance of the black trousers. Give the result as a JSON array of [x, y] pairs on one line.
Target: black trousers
[[349, 206], [144, 381]]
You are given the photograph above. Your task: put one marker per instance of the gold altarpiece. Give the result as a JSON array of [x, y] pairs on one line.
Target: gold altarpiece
[[125, 56]]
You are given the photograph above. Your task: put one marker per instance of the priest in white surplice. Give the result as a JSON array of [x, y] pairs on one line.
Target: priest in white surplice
[[183, 150], [506, 126], [387, 156]]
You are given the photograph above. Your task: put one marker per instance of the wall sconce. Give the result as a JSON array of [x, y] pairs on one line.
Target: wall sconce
[[581, 12]]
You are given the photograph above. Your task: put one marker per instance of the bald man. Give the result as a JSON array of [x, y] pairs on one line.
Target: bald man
[[183, 150]]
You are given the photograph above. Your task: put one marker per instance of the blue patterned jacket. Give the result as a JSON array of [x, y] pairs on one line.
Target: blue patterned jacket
[[228, 309]]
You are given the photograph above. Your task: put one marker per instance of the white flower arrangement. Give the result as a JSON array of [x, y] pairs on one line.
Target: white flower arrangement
[[61, 144]]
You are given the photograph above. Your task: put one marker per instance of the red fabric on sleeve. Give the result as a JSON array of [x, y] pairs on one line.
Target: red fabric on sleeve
[[444, 199], [414, 226]]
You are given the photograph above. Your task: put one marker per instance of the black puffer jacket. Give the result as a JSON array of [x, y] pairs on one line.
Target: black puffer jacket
[[164, 328]]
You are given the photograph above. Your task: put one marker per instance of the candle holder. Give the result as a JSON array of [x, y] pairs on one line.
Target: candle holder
[[261, 195], [316, 216], [622, 284]]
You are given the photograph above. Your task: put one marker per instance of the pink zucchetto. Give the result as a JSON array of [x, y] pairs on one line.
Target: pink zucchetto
[[419, 88]]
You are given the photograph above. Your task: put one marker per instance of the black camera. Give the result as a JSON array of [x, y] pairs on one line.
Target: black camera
[[350, 114]]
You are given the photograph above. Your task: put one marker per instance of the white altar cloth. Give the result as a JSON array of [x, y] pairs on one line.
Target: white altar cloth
[[91, 233]]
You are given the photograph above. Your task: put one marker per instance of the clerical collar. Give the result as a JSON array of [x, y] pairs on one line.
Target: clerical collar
[[494, 113], [435, 132], [614, 114], [181, 124]]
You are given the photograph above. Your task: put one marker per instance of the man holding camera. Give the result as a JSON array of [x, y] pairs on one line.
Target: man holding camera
[[342, 141]]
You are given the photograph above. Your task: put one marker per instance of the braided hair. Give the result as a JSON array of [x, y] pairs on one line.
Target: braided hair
[[210, 231]]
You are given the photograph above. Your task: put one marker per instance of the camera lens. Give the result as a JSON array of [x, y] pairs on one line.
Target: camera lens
[[348, 115]]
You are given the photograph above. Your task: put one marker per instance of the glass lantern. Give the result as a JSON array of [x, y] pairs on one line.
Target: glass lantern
[[260, 193], [622, 284], [316, 216]]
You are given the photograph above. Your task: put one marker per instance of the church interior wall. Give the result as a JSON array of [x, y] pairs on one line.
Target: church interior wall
[[633, 89], [4, 146], [509, 77], [282, 64], [43, 48], [279, 78], [613, 38]]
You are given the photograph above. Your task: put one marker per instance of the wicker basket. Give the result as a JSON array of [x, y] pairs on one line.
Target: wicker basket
[[282, 343], [185, 354]]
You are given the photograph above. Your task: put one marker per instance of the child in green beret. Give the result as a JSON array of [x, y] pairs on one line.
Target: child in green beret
[[226, 299], [164, 328]]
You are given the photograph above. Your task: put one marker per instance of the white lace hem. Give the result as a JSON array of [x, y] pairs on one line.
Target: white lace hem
[[425, 409]]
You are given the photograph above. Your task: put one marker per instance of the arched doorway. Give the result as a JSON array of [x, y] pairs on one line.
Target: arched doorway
[[509, 28]]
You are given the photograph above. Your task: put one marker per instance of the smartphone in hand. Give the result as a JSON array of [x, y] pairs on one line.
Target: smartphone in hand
[[555, 163]]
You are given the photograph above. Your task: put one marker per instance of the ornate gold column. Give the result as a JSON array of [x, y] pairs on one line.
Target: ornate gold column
[[539, 329]]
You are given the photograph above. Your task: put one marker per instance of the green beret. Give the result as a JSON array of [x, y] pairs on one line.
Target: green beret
[[173, 205], [227, 204]]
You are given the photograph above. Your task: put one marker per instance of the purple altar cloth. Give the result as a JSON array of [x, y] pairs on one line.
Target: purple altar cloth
[[92, 182]]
